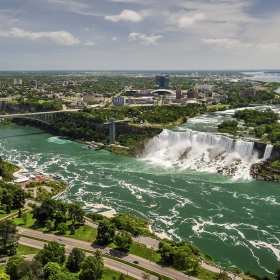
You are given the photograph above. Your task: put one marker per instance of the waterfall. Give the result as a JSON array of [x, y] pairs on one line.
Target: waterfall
[[267, 152], [201, 151], [243, 148]]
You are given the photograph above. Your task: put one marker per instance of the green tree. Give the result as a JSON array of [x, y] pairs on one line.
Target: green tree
[[99, 255], [105, 232], [4, 276], [123, 240], [19, 213], [31, 270], [121, 277], [13, 267], [91, 269], [24, 217], [167, 253], [59, 217], [51, 269], [8, 232], [52, 252], [221, 276], [62, 228], [76, 212], [49, 225], [75, 259]]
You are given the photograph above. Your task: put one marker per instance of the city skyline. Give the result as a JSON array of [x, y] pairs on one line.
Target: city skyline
[[139, 35]]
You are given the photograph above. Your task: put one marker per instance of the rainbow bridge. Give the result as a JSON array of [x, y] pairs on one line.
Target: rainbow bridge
[[44, 117]]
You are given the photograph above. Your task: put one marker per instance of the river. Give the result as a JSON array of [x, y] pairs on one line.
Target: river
[[234, 219]]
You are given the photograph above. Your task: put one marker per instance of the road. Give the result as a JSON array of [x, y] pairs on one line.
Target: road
[[123, 268], [118, 266]]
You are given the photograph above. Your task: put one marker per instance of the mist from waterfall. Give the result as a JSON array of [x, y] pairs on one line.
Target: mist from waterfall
[[202, 151]]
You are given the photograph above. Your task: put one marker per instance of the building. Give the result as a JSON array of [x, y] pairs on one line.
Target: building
[[141, 100], [33, 83], [118, 101], [248, 92], [162, 81], [178, 92], [17, 81], [204, 87], [192, 94], [89, 97]]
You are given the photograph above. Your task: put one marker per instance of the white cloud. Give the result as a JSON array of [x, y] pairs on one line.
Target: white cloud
[[185, 21], [144, 39], [115, 39], [126, 15], [226, 43], [89, 43], [60, 37], [269, 47]]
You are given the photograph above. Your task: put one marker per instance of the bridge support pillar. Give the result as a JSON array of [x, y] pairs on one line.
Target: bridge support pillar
[[112, 130]]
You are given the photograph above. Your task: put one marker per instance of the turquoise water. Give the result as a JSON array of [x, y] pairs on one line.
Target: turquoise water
[[234, 220]]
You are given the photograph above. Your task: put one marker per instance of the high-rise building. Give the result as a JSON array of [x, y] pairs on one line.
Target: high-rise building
[[178, 92], [162, 81]]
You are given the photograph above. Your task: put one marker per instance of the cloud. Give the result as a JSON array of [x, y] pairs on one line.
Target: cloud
[[126, 15], [144, 39], [75, 7], [115, 39], [269, 47], [60, 37], [89, 43], [226, 43], [185, 21]]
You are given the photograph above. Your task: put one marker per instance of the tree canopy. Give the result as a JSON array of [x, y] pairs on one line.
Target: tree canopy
[[52, 252]]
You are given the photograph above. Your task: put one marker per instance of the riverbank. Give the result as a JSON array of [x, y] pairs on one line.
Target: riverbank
[[265, 171]]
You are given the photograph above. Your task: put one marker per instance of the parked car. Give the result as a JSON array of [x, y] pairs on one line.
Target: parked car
[[3, 261], [136, 262]]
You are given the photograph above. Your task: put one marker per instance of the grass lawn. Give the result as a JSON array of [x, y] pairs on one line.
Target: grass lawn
[[205, 274], [26, 250], [142, 251], [3, 214], [30, 221], [2, 268], [22, 250], [109, 273], [84, 233]]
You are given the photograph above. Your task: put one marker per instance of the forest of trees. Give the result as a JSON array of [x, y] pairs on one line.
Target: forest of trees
[[264, 124]]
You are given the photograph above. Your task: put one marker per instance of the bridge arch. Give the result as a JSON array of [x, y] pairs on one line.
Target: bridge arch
[[43, 117]]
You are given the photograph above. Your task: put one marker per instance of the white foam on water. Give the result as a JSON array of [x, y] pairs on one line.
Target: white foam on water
[[58, 141], [201, 151]]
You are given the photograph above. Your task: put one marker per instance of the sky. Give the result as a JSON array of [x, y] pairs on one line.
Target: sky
[[139, 34]]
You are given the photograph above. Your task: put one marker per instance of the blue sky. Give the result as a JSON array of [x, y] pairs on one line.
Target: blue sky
[[139, 34]]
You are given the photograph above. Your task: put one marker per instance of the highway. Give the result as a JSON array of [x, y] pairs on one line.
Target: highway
[[115, 265], [125, 269], [118, 266]]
